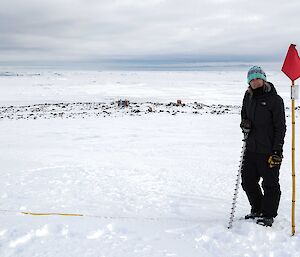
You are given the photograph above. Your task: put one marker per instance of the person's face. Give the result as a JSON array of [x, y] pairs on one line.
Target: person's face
[[256, 83]]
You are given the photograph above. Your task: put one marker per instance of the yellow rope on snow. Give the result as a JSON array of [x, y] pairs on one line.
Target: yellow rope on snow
[[51, 214], [98, 216]]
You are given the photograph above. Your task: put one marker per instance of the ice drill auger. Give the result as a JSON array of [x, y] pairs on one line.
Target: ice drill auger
[[237, 182]]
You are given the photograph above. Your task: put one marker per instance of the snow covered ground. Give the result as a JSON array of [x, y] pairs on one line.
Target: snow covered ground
[[209, 87], [148, 184]]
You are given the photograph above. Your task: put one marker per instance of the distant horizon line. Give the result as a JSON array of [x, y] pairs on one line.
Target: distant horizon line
[[140, 64]]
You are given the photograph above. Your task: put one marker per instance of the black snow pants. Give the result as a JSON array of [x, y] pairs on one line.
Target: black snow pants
[[255, 167]]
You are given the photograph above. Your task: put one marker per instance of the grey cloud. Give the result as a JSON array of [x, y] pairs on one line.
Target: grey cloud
[[82, 30]]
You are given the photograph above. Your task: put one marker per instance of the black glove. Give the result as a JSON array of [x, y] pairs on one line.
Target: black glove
[[245, 125], [275, 159]]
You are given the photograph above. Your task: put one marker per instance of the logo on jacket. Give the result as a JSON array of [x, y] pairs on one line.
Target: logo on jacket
[[263, 103]]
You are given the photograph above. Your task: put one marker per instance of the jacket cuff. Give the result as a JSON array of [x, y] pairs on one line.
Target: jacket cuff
[[277, 152]]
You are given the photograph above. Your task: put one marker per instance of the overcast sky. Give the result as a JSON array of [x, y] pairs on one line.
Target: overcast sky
[[48, 31]]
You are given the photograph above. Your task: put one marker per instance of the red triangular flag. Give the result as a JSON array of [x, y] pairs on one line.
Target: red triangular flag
[[291, 65]]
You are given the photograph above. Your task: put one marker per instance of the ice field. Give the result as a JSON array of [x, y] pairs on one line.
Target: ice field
[[147, 184]]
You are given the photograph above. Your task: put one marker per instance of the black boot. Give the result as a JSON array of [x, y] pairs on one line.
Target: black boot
[[265, 221], [253, 215]]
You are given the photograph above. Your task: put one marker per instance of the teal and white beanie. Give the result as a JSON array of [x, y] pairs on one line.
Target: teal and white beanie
[[256, 72]]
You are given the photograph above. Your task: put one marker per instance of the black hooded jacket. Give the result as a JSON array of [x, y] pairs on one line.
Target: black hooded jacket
[[267, 116]]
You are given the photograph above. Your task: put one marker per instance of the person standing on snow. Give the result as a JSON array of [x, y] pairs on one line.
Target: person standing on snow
[[263, 122]]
